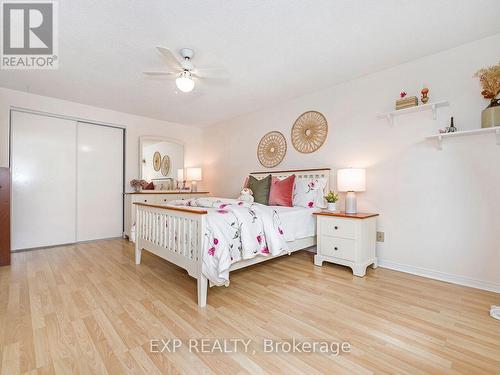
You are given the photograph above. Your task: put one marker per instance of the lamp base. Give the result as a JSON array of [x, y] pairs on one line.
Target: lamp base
[[350, 203], [194, 186]]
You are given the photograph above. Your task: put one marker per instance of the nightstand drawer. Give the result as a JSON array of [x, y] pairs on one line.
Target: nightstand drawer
[[146, 198], [338, 228], [337, 247]]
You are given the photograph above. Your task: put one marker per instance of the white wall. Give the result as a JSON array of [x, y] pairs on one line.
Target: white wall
[[440, 210], [136, 126]]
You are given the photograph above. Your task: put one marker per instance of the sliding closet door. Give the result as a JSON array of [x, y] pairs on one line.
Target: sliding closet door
[[99, 182], [43, 161]]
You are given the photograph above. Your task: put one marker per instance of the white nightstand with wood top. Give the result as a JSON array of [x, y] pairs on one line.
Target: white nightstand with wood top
[[347, 239]]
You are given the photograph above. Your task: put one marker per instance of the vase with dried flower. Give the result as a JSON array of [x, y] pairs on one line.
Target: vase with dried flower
[[137, 184], [490, 82]]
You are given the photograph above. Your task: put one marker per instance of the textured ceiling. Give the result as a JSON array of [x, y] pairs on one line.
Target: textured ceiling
[[272, 50]]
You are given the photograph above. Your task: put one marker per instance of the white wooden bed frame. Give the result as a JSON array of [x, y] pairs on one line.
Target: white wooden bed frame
[[154, 235]]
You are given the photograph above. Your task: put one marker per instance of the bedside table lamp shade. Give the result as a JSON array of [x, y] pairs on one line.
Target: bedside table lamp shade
[[193, 175], [181, 181], [351, 180], [180, 174]]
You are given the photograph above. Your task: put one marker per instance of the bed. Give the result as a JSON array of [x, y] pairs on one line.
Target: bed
[[177, 233]]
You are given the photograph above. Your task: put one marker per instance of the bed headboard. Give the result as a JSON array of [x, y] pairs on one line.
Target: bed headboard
[[299, 173]]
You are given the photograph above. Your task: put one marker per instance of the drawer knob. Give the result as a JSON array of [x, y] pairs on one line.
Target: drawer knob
[[336, 227], [335, 248]]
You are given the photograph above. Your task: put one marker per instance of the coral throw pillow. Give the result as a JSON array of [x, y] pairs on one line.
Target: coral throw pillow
[[281, 193]]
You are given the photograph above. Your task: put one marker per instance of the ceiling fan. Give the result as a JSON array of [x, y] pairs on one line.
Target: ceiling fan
[[184, 69]]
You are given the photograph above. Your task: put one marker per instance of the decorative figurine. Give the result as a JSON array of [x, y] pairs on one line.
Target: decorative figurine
[[451, 128], [424, 99]]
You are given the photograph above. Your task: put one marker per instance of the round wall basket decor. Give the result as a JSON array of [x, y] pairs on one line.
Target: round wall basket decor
[[165, 165], [156, 161], [271, 149], [309, 132]]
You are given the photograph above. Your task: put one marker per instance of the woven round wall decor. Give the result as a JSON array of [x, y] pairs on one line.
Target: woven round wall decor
[[156, 161], [165, 165], [271, 149], [309, 132]]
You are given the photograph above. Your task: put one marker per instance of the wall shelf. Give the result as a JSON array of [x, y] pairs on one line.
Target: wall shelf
[[424, 107], [440, 137]]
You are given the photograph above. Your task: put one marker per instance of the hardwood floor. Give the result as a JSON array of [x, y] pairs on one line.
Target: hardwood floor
[[89, 309]]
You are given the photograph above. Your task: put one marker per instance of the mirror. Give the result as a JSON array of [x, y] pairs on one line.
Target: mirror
[[160, 158]]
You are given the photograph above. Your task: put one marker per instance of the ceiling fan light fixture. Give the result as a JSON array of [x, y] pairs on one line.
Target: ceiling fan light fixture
[[184, 81]]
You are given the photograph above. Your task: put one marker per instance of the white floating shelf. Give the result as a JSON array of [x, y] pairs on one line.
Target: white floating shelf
[[440, 137], [424, 107]]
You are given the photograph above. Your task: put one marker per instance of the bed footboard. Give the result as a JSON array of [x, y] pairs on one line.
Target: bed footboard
[[174, 234]]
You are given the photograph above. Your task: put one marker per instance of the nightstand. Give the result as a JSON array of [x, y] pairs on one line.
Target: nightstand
[[346, 239]]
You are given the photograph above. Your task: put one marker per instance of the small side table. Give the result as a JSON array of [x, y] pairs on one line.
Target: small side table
[[347, 239]]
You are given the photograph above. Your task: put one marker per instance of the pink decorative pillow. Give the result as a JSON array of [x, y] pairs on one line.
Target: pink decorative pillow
[[149, 186], [281, 193]]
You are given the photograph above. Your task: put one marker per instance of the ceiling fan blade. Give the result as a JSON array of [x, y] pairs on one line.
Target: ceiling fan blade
[[170, 59], [211, 68], [154, 73], [213, 80], [211, 71]]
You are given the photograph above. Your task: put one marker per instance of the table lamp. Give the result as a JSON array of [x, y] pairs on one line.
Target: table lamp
[[181, 182], [193, 175], [351, 180]]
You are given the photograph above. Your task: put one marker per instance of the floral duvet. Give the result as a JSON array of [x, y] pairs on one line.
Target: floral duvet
[[236, 231]]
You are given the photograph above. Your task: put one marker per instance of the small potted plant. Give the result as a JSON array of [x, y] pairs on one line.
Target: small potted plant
[[332, 198]]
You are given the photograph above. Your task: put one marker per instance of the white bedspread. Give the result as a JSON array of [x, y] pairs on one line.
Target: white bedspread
[[297, 222], [236, 231]]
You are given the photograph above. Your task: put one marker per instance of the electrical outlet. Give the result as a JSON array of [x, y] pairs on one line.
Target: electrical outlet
[[380, 236]]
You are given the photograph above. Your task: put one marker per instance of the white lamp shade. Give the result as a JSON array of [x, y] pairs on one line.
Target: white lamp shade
[[351, 179], [193, 174], [180, 174], [184, 82]]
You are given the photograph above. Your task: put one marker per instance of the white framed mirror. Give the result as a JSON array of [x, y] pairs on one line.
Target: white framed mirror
[[159, 159]]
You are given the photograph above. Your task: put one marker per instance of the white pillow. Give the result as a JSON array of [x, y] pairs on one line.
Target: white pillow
[[308, 192]]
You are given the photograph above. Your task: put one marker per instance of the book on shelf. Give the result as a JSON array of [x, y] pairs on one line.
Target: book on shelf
[[405, 106], [409, 102]]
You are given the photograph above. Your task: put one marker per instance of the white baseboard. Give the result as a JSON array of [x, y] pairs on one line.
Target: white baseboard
[[442, 276]]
